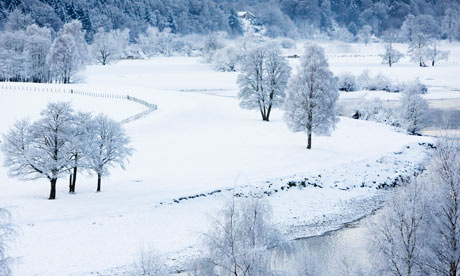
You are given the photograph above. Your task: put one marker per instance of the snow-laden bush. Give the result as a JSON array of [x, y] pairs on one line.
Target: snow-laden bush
[[150, 262], [416, 87], [347, 82], [378, 111], [226, 59], [378, 83]]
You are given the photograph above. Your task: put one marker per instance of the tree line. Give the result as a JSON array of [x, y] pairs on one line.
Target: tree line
[[63, 141], [299, 18]]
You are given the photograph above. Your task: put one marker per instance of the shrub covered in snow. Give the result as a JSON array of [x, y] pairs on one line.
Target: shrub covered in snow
[[347, 82], [383, 83], [150, 262], [416, 87], [226, 59], [378, 111]]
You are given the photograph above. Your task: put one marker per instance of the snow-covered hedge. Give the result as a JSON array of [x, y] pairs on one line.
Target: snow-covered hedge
[[378, 111], [347, 82]]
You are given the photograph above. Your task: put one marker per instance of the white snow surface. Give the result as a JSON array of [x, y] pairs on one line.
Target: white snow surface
[[198, 141]]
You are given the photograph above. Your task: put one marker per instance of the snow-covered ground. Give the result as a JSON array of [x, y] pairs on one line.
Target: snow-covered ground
[[197, 142]]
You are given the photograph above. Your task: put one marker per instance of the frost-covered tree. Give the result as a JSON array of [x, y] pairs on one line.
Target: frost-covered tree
[[211, 44], [109, 146], [417, 48], [17, 20], [365, 34], [41, 149], [434, 54], [443, 256], [108, 46], [391, 55], [155, 42], [397, 236], [79, 146], [68, 53], [347, 82], [415, 112], [62, 59], [450, 25], [312, 96], [37, 46], [6, 233], [227, 59], [263, 80], [239, 240], [150, 262]]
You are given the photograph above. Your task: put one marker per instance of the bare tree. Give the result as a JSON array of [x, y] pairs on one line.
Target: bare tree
[[41, 149], [397, 235], [108, 46], [109, 147], [434, 54], [444, 227], [418, 46], [263, 80], [79, 145], [312, 96], [414, 111], [240, 240], [391, 55], [6, 233], [150, 262]]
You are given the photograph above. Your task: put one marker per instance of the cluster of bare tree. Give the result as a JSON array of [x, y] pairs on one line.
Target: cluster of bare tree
[[418, 230], [62, 141], [422, 47], [311, 93], [35, 54]]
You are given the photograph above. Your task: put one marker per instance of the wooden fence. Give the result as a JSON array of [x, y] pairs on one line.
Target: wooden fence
[[150, 107]]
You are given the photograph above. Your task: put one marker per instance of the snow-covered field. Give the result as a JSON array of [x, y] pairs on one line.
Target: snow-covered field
[[197, 142]]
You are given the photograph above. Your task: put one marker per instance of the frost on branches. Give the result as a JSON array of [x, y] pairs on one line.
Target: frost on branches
[[62, 141], [312, 96], [108, 147], [240, 240], [415, 113], [40, 150], [263, 80], [6, 233]]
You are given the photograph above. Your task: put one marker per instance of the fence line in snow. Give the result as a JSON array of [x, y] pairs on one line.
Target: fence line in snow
[[150, 107]]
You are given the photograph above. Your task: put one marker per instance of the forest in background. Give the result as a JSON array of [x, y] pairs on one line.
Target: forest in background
[[291, 18]]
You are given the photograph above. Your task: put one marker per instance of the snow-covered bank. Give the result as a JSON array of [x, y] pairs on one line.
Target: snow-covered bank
[[194, 143]]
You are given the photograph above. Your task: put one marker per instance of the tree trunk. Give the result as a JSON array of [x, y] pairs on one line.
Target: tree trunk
[[53, 189], [268, 112], [432, 63], [309, 141], [70, 183], [98, 182], [74, 179]]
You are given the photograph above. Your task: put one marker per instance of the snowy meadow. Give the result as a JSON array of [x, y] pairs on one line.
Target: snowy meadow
[[200, 142]]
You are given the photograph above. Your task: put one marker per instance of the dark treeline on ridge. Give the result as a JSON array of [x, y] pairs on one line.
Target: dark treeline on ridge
[[293, 18]]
